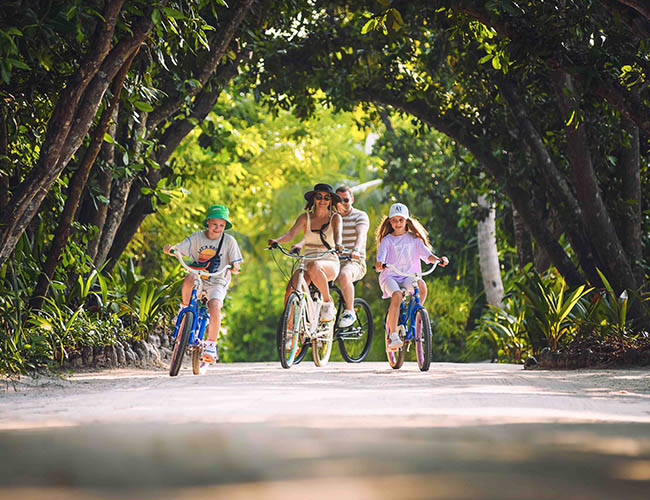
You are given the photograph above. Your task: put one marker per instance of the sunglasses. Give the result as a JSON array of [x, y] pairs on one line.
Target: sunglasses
[[320, 197], [345, 200]]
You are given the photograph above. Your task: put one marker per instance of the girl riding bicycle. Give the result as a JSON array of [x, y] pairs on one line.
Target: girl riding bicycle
[[322, 226], [212, 249], [401, 242]]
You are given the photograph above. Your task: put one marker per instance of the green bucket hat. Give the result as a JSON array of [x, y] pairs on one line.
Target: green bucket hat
[[218, 212]]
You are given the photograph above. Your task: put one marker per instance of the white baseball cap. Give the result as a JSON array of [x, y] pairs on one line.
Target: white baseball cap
[[398, 209]]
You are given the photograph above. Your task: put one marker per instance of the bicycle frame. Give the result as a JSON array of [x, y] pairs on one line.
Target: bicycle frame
[[407, 314], [407, 311]]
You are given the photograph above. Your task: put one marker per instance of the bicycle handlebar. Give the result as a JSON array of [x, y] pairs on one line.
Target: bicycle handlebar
[[173, 251], [295, 255], [414, 275]]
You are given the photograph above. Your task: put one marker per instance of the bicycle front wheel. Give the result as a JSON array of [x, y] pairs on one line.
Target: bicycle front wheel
[[395, 357], [355, 340], [287, 337], [199, 367], [423, 339], [321, 346], [182, 338]]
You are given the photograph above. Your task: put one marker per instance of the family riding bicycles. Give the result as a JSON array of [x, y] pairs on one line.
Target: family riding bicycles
[[319, 306]]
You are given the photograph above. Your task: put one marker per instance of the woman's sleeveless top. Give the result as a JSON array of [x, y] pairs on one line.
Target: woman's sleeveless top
[[313, 239]]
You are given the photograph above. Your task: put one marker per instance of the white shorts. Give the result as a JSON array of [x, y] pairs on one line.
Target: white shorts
[[391, 285], [215, 290]]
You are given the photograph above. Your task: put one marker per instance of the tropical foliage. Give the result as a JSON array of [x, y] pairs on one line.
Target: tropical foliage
[[120, 120]]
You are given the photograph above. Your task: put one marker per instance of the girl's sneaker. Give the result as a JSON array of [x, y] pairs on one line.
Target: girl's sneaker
[[210, 352], [395, 342]]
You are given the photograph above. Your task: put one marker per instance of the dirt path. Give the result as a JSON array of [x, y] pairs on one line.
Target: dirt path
[[360, 431]]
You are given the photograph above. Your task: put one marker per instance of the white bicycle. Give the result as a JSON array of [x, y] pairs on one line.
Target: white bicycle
[[300, 322]]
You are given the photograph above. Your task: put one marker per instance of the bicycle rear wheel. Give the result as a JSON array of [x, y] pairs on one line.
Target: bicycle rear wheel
[[423, 339], [395, 357], [355, 340], [182, 338], [287, 337], [321, 346]]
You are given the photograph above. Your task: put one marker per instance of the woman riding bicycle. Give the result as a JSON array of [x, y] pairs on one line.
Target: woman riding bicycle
[[321, 225], [402, 242]]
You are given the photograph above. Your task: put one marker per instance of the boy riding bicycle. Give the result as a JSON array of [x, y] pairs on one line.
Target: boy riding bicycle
[[211, 249]]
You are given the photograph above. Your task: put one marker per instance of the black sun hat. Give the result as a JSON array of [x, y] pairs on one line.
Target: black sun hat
[[323, 188]]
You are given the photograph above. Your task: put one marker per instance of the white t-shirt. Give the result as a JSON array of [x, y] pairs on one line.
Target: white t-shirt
[[201, 249]]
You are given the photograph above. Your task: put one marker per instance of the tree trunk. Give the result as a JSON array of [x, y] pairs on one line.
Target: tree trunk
[[70, 121], [488, 254], [77, 184], [519, 198], [629, 167], [140, 205], [601, 229], [104, 177], [219, 46], [641, 6], [567, 206], [119, 195], [4, 162], [522, 240]]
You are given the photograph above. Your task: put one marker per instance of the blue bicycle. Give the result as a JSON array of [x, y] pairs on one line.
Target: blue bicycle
[[413, 326], [192, 322]]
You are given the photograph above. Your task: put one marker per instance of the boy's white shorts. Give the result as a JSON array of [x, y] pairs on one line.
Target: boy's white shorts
[[215, 292], [391, 285]]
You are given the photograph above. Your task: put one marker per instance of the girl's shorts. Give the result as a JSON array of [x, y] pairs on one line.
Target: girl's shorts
[[391, 285]]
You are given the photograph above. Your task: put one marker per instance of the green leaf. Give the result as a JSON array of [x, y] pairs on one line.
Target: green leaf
[[173, 13], [108, 138], [16, 63], [485, 58], [370, 25], [143, 106]]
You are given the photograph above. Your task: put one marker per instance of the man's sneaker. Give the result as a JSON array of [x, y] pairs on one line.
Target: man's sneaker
[[328, 311], [347, 318], [210, 352], [395, 342]]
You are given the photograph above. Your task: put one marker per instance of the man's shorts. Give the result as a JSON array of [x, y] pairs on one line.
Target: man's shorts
[[391, 285], [357, 269]]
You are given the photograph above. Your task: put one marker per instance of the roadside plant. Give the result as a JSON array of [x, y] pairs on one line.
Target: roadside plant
[[549, 307], [505, 332]]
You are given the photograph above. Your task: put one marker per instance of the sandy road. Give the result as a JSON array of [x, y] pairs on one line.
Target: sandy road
[[356, 431]]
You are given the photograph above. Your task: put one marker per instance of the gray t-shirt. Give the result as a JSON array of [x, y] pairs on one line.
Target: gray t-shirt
[[201, 249]]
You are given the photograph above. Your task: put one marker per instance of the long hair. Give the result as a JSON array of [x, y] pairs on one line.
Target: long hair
[[412, 226]]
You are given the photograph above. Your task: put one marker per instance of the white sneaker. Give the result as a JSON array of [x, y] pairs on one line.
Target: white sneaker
[[327, 311], [395, 341], [347, 318], [210, 352]]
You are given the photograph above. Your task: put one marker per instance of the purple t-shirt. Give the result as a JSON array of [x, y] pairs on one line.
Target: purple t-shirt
[[404, 252]]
